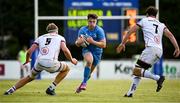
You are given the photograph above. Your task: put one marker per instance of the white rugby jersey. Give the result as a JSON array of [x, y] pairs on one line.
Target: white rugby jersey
[[49, 46], [153, 31]]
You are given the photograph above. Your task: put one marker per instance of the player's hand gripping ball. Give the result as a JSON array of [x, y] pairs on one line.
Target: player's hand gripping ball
[[84, 43]]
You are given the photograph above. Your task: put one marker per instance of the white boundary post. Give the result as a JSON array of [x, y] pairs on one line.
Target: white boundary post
[[157, 7], [36, 23]]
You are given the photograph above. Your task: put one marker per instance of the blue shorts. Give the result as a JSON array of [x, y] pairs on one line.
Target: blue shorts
[[96, 56]]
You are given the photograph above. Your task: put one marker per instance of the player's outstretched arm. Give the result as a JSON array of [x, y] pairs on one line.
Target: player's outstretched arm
[[29, 52], [121, 46], [171, 37], [67, 53]]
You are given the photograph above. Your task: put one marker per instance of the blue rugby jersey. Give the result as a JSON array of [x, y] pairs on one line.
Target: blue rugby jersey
[[97, 34]]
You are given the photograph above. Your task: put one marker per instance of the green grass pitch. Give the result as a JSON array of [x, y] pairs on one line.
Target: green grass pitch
[[98, 91]]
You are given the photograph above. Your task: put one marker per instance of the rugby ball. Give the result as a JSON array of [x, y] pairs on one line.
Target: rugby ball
[[84, 43]]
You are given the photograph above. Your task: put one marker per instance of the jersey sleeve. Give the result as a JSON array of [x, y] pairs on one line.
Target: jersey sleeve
[[164, 26], [63, 39], [140, 23], [36, 41], [101, 33]]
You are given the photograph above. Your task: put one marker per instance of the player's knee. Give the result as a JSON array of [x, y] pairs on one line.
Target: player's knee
[[65, 68], [30, 78], [137, 71], [89, 63], [33, 74]]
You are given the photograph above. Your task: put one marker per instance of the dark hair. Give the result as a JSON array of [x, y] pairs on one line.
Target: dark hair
[[151, 11], [93, 16], [51, 27]]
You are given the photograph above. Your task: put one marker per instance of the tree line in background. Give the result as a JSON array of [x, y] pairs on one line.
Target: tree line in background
[[17, 26]]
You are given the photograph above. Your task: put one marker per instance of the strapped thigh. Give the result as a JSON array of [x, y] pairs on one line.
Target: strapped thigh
[[62, 66], [143, 64], [140, 65]]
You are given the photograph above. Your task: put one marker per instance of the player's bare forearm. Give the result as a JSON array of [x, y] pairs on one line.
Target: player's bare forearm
[[28, 55], [66, 51], [132, 30], [68, 54], [125, 38], [30, 51], [169, 35], [121, 46], [174, 42], [101, 43]]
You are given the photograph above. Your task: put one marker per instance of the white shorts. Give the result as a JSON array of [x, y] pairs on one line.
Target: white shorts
[[151, 55], [50, 66]]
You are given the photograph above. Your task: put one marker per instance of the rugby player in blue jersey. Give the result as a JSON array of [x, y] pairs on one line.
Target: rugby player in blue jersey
[[95, 36]]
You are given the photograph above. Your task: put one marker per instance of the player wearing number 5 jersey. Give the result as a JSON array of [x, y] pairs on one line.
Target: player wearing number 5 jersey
[[49, 46], [153, 31]]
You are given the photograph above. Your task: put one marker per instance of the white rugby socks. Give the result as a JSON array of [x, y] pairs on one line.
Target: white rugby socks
[[134, 85], [150, 75], [11, 90]]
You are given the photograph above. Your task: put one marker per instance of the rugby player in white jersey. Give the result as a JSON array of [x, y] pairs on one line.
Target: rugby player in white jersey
[[153, 31], [49, 46]]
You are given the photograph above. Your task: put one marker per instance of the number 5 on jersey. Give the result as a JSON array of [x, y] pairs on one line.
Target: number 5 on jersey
[[48, 40]]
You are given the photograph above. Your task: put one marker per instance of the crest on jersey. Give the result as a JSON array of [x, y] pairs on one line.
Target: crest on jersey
[[44, 50], [157, 39]]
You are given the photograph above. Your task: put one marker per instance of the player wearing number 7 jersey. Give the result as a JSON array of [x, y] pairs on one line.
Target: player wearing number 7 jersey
[[49, 46], [153, 31]]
